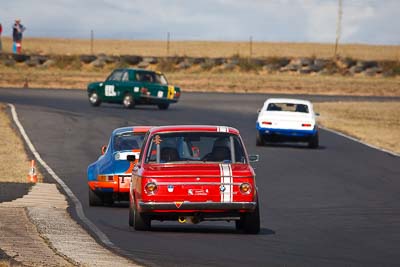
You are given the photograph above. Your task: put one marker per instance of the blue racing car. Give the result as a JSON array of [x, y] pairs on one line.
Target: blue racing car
[[109, 177]]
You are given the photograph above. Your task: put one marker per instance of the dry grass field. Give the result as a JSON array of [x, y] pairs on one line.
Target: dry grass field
[[15, 163], [238, 82], [204, 48], [196, 79], [286, 83], [377, 123], [49, 78]]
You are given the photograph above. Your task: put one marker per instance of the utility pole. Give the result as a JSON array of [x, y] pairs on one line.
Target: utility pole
[[168, 38], [251, 46], [338, 25], [91, 41]]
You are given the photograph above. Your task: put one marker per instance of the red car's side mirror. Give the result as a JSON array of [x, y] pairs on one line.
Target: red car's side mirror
[[103, 150]]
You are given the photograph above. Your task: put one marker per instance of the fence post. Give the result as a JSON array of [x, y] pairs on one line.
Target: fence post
[[91, 41], [168, 38], [338, 25], [251, 46]]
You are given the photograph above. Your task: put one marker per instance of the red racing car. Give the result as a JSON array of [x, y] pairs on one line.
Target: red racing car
[[193, 174]]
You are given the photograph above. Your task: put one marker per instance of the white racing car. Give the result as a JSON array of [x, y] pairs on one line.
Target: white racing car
[[283, 119]]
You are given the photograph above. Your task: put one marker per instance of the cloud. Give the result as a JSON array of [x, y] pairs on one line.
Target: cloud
[[321, 22], [354, 17], [380, 24], [367, 21]]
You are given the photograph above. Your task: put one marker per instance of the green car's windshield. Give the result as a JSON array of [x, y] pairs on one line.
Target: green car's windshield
[[115, 76]]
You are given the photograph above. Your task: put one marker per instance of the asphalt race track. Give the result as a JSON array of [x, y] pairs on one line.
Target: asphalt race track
[[338, 205]]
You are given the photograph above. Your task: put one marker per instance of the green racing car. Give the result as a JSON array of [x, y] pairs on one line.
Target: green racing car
[[131, 87]]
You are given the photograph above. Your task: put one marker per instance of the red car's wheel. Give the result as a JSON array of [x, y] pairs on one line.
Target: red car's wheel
[[131, 219], [140, 222], [250, 222]]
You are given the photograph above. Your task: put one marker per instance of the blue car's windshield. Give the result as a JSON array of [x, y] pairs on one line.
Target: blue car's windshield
[[128, 141]]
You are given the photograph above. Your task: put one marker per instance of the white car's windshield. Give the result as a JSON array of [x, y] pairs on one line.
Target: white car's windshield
[[195, 147], [291, 107]]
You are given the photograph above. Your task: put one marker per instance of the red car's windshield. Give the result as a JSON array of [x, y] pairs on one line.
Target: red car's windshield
[[196, 147]]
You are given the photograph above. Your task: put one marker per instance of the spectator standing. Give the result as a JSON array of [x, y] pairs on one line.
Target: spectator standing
[[1, 46], [18, 29]]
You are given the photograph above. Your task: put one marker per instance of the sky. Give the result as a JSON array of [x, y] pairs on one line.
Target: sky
[[363, 21]]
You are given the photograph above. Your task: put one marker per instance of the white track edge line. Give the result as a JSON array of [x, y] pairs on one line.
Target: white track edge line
[[71, 195], [359, 141]]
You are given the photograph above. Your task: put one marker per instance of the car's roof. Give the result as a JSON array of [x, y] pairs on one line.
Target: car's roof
[[136, 69], [288, 100], [194, 128], [135, 129]]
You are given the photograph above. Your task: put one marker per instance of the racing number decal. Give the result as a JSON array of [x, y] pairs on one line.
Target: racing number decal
[[171, 92], [109, 90]]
